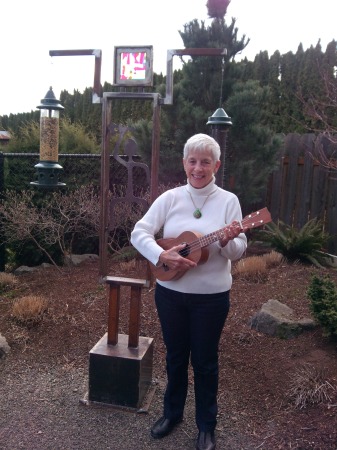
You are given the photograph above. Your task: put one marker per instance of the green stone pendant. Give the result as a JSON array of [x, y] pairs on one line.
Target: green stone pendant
[[197, 213]]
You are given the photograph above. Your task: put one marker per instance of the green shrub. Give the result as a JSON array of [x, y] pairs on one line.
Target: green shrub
[[304, 244], [323, 304]]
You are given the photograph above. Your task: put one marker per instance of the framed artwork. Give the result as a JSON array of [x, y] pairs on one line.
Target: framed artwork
[[133, 66]]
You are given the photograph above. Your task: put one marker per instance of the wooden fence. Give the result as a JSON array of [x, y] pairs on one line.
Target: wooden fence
[[304, 187]]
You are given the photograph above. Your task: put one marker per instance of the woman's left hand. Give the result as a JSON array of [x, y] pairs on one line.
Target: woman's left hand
[[232, 231]]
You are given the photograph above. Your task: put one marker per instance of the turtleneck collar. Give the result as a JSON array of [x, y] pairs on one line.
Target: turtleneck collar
[[207, 190]]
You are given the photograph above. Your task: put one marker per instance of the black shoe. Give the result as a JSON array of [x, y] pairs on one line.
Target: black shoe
[[205, 441], [163, 427]]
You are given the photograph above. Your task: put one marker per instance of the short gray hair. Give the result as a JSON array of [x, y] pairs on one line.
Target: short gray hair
[[200, 143]]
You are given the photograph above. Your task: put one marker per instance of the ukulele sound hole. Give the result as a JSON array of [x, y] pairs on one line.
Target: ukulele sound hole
[[184, 252]]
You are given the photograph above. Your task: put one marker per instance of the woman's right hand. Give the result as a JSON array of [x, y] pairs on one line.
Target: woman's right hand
[[174, 261]]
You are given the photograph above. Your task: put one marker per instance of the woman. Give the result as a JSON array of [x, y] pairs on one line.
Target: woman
[[192, 299]]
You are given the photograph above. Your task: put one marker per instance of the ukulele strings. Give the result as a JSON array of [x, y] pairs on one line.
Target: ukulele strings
[[195, 245]]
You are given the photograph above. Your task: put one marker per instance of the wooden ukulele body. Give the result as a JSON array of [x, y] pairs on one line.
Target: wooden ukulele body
[[198, 255]]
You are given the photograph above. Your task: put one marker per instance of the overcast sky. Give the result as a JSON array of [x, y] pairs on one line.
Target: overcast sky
[[29, 29]]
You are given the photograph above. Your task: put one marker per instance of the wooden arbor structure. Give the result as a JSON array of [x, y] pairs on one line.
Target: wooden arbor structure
[[120, 366]]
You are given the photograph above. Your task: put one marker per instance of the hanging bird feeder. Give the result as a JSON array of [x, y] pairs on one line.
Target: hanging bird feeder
[[48, 168]]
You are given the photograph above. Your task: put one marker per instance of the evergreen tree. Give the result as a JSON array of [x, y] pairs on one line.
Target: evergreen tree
[[253, 147], [261, 68], [319, 96], [289, 105], [26, 139], [274, 87], [199, 86]]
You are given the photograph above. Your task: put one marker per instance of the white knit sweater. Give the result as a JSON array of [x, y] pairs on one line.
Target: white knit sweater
[[173, 211]]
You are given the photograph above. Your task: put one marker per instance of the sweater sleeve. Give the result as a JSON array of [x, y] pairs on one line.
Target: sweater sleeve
[[143, 234], [236, 247]]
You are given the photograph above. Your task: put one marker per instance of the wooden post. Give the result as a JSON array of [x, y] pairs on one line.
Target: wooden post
[[113, 317], [115, 284]]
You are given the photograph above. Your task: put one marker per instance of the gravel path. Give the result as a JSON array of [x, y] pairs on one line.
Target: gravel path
[[42, 408]]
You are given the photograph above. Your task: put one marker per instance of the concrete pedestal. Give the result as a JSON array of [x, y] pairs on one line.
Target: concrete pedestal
[[120, 375]]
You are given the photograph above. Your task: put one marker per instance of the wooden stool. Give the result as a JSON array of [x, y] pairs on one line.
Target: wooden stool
[[120, 366], [136, 285]]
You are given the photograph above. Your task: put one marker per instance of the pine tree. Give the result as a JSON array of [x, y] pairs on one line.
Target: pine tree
[[253, 146]]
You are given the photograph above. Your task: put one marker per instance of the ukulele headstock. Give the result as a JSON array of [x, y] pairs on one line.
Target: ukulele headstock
[[256, 219]]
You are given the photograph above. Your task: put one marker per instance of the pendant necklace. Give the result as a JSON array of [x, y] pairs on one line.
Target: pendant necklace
[[197, 212]]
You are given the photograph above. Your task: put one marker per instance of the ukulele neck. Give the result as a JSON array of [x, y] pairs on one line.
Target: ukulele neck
[[212, 237], [205, 240]]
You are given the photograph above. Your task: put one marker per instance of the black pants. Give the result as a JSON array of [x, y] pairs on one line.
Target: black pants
[[191, 326]]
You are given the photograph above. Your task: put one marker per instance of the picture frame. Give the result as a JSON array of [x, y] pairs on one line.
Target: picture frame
[[133, 65]]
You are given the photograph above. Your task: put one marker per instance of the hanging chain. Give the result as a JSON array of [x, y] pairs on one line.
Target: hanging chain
[[222, 81]]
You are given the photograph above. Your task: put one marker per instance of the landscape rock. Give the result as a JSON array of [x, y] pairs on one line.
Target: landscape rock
[[45, 266], [25, 269], [277, 319], [69, 261], [76, 260], [4, 347]]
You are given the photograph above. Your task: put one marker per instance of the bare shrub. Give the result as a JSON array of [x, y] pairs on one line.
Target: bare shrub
[[123, 216], [29, 310], [309, 386], [56, 220], [273, 258], [253, 268], [7, 281]]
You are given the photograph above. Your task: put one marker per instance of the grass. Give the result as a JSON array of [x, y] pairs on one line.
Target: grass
[[255, 268], [273, 259], [7, 281], [29, 310], [309, 386]]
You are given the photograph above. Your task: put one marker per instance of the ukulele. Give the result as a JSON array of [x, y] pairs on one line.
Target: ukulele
[[196, 243]]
